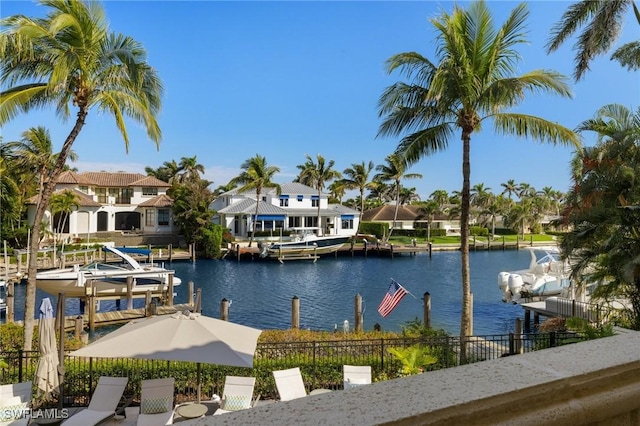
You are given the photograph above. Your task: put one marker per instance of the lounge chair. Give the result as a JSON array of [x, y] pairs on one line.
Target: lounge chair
[[156, 402], [356, 375], [15, 400], [103, 404], [289, 384], [237, 394]]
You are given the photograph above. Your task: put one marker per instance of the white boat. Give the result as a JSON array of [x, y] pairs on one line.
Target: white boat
[[3, 295], [109, 279], [305, 243], [547, 275]]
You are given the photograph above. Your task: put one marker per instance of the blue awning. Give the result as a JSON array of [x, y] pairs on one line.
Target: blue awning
[[315, 197], [300, 197], [271, 217], [284, 196], [347, 216]]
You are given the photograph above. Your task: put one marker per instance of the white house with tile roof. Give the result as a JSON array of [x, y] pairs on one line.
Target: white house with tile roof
[[295, 207], [111, 202]]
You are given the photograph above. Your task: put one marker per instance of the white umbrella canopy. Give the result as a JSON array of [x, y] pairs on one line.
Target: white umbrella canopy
[[47, 378], [183, 336]]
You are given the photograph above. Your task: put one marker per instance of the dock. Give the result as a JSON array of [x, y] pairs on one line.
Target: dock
[[123, 316]]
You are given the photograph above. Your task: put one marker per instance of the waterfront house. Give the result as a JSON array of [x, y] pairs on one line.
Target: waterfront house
[[111, 202], [411, 217], [296, 206]]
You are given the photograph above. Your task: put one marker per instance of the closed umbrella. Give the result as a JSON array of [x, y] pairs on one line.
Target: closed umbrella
[[47, 378], [183, 336]]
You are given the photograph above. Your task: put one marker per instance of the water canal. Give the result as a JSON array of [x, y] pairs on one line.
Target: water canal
[[260, 292]]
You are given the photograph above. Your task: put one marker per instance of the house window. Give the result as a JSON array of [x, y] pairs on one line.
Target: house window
[[163, 217], [315, 201], [284, 202], [264, 198], [300, 197], [84, 189], [150, 217], [150, 191], [347, 223], [101, 194]]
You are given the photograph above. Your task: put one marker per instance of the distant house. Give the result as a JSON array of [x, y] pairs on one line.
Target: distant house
[[295, 207], [112, 202], [410, 217]]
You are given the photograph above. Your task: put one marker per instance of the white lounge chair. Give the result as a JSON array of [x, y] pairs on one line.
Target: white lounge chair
[[103, 404], [15, 401], [289, 384], [356, 375], [156, 402], [237, 394]]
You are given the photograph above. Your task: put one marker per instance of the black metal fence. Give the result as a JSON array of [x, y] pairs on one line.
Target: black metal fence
[[320, 362]]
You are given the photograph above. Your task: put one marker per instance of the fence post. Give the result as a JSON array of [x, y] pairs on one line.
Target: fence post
[[552, 339], [22, 359], [382, 353], [518, 331]]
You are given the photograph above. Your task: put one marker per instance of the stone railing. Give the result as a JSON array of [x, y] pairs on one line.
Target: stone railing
[[595, 382]]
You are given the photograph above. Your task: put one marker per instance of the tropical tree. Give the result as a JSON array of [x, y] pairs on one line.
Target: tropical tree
[[68, 60], [602, 21], [357, 177], [440, 196], [190, 169], [603, 207], [337, 189], [510, 188], [429, 209], [166, 173], [394, 171], [257, 175], [221, 189], [191, 200], [474, 80], [63, 204], [317, 175]]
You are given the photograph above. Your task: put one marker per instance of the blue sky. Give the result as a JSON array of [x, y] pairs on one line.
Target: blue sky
[[286, 79]]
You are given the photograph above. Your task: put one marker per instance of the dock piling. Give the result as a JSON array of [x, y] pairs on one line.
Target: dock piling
[[427, 309], [295, 313], [224, 310], [357, 324]]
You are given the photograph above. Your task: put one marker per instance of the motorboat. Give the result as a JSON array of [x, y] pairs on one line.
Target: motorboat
[[547, 275], [109, 279], [3, 295], [304, 243]]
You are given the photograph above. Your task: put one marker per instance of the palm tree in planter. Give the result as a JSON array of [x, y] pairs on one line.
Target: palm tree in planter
[[473, 80], [257, 175], [71, 61]]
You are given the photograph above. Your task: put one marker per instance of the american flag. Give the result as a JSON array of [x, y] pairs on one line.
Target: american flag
[[394, 295]]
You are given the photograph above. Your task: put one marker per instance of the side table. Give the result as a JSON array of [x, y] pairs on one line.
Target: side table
[[192, 411]]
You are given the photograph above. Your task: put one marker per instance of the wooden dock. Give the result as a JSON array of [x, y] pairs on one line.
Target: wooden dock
[[122, 316]]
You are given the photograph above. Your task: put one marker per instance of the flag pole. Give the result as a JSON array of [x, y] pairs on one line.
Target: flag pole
[[405, 289]]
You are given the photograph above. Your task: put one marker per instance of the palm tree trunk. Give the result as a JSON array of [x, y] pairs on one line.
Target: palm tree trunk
[[255, 219], [34, 245], [395, 212], [320, 227], [465, 321]]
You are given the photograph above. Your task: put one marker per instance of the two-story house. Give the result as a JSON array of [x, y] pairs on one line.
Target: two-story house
[[110, 202], [295, 207]]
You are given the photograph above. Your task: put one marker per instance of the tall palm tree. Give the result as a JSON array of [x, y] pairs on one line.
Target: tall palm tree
[[440, 196], [510, 188], [474, 80], [317, 175], [190, 169], [168, 172], [602, 21], [257, 175], [394, 171], [357, 177], [63, 203], [70, 60], [337, 190]]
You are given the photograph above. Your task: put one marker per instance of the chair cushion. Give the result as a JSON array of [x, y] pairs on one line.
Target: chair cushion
[[13, 408], [155, 405], [236, 402], [354, 383]]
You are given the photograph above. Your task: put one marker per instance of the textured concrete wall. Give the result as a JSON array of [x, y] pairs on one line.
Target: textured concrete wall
[[594, 383]]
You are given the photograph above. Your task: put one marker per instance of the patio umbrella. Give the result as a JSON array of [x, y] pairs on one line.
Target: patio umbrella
[[183, 336], [47, 378]]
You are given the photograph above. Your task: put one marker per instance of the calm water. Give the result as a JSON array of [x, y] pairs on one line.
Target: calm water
[[261, 292]]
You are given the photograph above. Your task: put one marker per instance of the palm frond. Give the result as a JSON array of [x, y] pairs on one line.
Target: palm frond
[[539, 129]]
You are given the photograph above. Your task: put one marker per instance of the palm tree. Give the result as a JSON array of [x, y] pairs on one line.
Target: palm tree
[[223, 188], [440, 196], [357, 177], [510, 188], [317, 175], [394, 171], [63, 203], [473, 81], [190, 169], [429, 210], [256, 174], [168, 172], [602, 21], [68, 60], [337, 190]]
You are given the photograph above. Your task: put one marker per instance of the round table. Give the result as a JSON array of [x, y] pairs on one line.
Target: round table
[[192, 411]]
